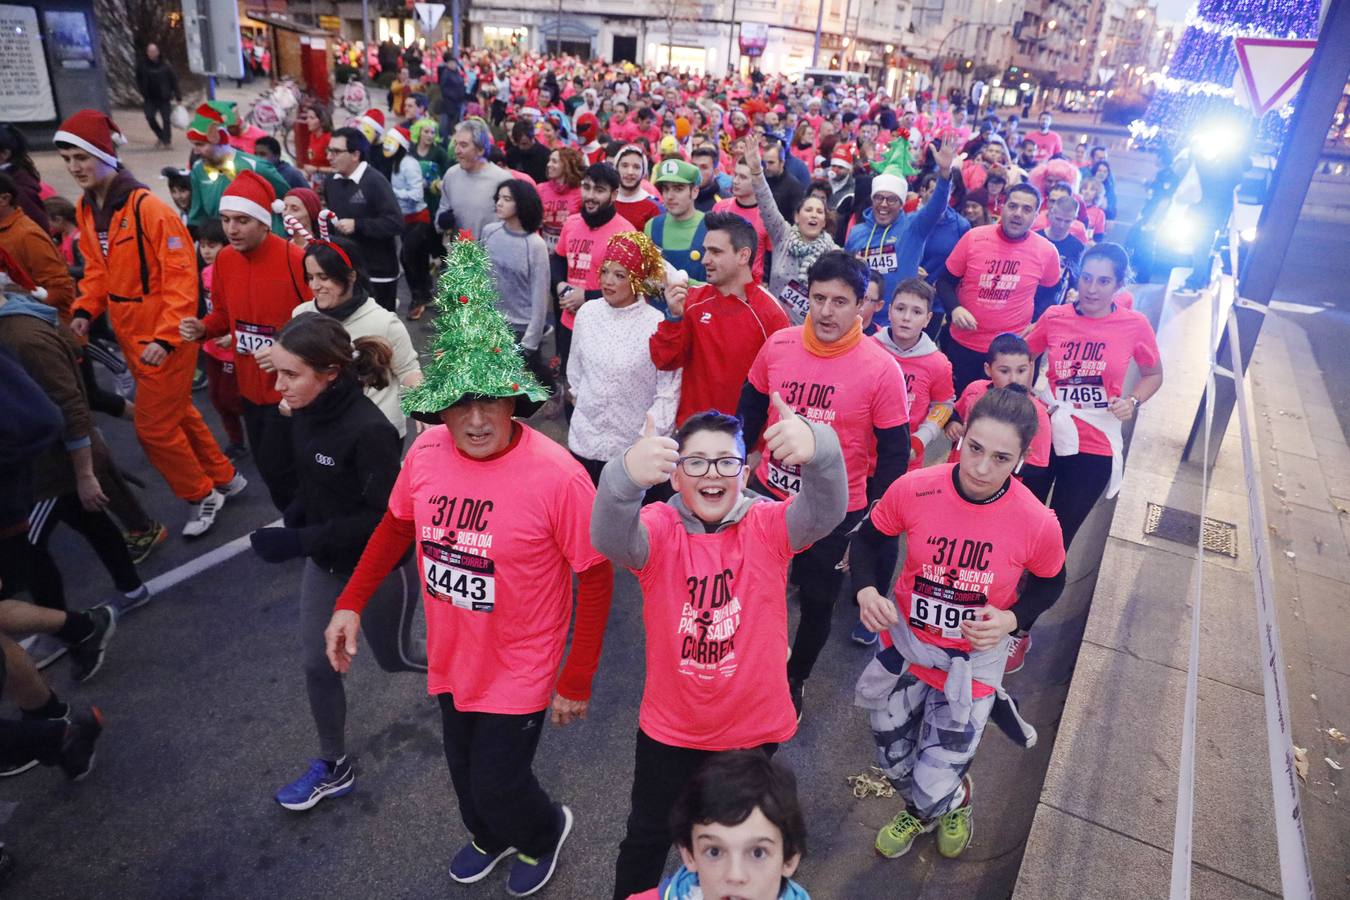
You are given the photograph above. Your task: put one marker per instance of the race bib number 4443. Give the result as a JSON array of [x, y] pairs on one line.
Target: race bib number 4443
[[464, 579], [939, 609]]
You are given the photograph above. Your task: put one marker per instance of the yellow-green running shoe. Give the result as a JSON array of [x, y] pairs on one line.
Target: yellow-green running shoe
[[956, 827], [897, 836]]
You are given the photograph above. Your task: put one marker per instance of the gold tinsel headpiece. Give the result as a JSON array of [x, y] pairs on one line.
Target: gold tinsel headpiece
[[641, 258]]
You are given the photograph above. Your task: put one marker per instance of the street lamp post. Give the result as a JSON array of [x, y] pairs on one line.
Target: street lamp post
[[731, 39], [820, 20]]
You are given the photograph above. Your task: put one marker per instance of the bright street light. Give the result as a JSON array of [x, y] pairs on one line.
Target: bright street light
[[1051, 24]]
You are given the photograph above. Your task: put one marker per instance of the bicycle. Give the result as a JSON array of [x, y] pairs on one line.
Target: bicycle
[[275, 111]]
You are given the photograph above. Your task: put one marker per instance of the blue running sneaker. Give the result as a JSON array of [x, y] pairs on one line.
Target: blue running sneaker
[[863, 635], [529, 874], [323, 779], [473, 863]]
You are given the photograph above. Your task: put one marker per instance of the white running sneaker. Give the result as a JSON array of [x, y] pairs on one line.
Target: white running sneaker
[[234, 486], [203, 514]]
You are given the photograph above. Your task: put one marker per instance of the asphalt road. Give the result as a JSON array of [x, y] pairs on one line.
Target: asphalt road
[[207, 717]]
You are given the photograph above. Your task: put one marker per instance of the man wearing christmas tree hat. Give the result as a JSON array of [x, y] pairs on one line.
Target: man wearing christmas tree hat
[[889, 241], [500, 515], [220, 162]]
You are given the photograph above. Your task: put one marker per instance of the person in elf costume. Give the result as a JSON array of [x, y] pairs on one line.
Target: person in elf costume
[[219, 163]]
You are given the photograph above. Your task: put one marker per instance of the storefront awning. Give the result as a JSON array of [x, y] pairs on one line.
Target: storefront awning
[[568, 29]]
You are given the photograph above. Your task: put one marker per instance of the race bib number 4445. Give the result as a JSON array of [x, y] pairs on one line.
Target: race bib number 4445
[[453, 576], [939, 609]]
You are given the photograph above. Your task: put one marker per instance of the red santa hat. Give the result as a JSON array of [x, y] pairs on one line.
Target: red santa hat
[[843, 155], [15, 278], [93, 132], [250, 194], [374, 118], [402, 135]]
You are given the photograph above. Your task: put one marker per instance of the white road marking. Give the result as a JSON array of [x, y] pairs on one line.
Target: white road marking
[[192, 567]]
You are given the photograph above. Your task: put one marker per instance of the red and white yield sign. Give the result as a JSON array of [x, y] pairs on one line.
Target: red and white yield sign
[[1270, 70]]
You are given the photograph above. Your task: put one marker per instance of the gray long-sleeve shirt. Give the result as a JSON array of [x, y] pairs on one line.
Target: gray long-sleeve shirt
[[472, 196], [520, 267], [617, 530]]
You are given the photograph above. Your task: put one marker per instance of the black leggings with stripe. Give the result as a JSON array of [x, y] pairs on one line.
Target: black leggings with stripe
[[43, 574]]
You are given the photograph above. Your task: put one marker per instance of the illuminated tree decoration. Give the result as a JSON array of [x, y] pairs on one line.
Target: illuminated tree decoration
[[1199, 80]]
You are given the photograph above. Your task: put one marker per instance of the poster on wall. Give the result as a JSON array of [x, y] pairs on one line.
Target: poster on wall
[[25, 87], [72, 45]]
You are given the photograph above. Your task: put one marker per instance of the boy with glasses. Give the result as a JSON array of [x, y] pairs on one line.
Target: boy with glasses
[[712, 562]]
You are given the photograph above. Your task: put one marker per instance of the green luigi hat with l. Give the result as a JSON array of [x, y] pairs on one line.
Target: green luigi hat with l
[[675, 171], [474, 353]]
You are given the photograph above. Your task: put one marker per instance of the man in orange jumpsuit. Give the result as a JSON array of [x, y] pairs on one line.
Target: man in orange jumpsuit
[[140, 267]]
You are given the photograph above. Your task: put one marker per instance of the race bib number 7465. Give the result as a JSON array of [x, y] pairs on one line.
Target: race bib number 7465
[[451, 575]]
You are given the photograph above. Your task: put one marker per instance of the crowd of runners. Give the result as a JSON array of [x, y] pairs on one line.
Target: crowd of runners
[[786, 325]]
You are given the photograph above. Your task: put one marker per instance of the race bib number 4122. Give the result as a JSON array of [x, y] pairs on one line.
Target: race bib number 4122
[[453, 576], [250, 338]]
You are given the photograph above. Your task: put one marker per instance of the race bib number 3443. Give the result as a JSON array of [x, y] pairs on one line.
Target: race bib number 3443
[[453, 576], [940, 609], [785, 478]]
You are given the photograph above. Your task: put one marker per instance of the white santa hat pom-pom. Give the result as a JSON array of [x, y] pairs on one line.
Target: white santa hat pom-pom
[[118, 138], [39, 293], [278, 206]]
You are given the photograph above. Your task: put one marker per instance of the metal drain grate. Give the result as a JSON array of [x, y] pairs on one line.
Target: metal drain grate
[[1184, 528]]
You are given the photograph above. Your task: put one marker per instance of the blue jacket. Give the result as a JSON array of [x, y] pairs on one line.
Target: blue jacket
[[940, 243], [683, 885], [796, 168], [894, 250]]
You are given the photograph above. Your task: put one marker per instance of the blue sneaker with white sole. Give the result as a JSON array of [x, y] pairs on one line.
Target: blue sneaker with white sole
[[473, 863], [324, 779], [529, 874]]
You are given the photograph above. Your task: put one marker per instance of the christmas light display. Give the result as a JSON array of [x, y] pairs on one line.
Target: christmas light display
[[1199, 80]]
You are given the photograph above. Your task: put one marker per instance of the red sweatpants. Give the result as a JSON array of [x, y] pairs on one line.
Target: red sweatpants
[[223, 389]]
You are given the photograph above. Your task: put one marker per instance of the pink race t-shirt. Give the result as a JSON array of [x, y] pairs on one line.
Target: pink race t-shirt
[[998, 281], [1076, 227], [717, 631], [853, 393], [928, 380], [209, 346], [497, 543], [584, 248], [558, 205], [751, 215], [1047, 144], [961, 555], [1088, 358], [1038, 454]]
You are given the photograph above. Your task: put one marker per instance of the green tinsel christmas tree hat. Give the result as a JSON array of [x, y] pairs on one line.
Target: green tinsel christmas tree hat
[[474, 353]]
